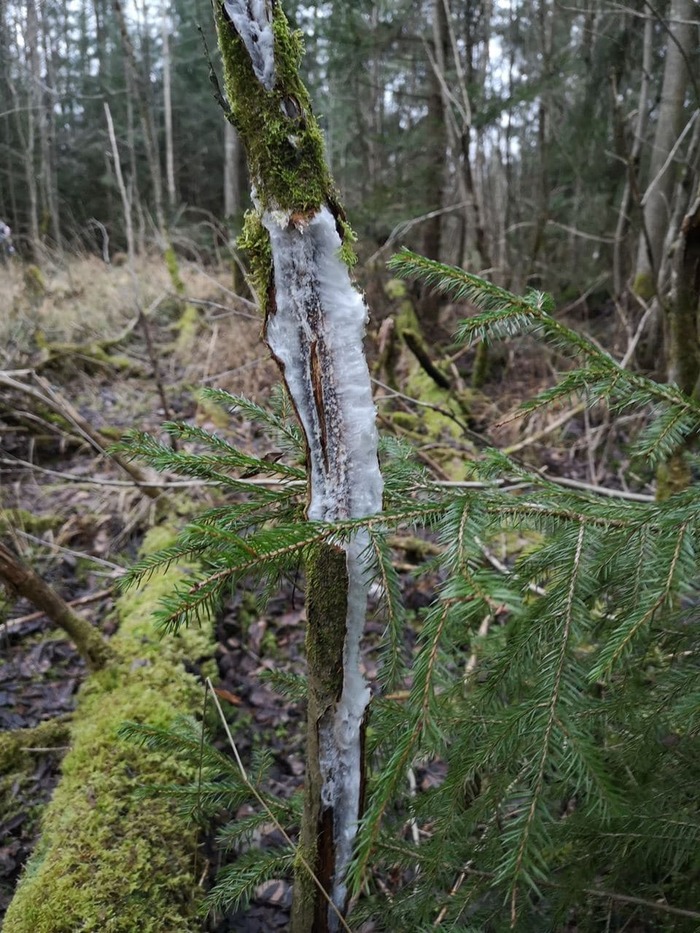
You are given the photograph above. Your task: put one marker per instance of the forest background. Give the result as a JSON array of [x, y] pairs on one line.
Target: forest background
[[517, 139]]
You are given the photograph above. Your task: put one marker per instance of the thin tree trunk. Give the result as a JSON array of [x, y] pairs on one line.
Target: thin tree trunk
[[48, 137], [146, 118], [631, 183], [657, 201], [168, 108], [682, 316], [298, 240]]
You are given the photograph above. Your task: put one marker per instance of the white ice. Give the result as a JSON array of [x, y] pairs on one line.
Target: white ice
[[310, 278], [252, 20], [308, 272]]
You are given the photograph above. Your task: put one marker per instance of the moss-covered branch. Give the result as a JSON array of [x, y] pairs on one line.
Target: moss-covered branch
[[16, 745], [300, 247]]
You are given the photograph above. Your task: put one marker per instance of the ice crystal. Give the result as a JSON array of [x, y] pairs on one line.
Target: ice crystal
[[252, 20]]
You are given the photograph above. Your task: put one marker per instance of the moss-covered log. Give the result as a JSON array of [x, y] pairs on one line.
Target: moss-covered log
[[111, 860]]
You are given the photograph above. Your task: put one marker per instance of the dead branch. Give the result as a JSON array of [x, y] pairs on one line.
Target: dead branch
[[21, 580]]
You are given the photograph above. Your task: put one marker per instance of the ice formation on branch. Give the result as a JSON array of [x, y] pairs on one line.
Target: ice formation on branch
[[252, 20], [315, 329]]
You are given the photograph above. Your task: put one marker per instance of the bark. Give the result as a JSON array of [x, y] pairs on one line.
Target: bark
[[23, 581], [168, 116], [430, 301], [297, 240], [683, 310], [632, 181], [26, 134], [658, 199]]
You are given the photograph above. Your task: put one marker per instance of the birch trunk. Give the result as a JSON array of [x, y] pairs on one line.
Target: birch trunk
[[299, 243], [658, 198]]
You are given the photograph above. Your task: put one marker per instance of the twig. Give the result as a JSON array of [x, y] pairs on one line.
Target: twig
[[207, 303], [58, 403], [671, 155], [12, 625], [24, 581], [548, 429], [66, 550]]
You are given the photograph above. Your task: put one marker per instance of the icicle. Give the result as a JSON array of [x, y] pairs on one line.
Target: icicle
[[252, 20]]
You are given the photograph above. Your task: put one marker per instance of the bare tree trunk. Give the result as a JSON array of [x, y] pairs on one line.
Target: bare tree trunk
[[435, 181], [657, 201], [544, 16], [299, 243], [631, 184], [26, 134], [48, 138], [168, 108], [683, 313], [146, 118]]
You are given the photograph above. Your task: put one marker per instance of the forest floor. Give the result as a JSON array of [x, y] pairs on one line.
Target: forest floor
[[77, 518]]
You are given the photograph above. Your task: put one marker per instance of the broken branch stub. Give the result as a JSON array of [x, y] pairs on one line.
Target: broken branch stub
[[299, 246]]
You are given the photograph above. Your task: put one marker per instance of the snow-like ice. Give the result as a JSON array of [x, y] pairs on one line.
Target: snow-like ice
[[316, 332], [252, 20], [319, 314]]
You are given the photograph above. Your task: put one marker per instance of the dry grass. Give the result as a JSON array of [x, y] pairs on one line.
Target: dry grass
[[82, 300]]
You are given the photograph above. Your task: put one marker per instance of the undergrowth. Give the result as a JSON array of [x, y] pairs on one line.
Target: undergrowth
[[562, 693]]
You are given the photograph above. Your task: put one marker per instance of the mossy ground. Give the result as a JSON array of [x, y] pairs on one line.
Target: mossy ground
[[109, 859]]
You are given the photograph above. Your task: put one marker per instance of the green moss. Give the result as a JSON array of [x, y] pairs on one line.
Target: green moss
[[481, 365], [326, 598], [255, 241], [247, 612], [174, 270], [28, 521], [187, 327], [283, 143], [281, 136], [14, 745], [110, 860], [673, 476], [643, 286], [34, 283], [396, 289], [347, 250]]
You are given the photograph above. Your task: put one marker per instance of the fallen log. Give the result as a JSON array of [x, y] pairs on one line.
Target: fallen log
[[109, 859]]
